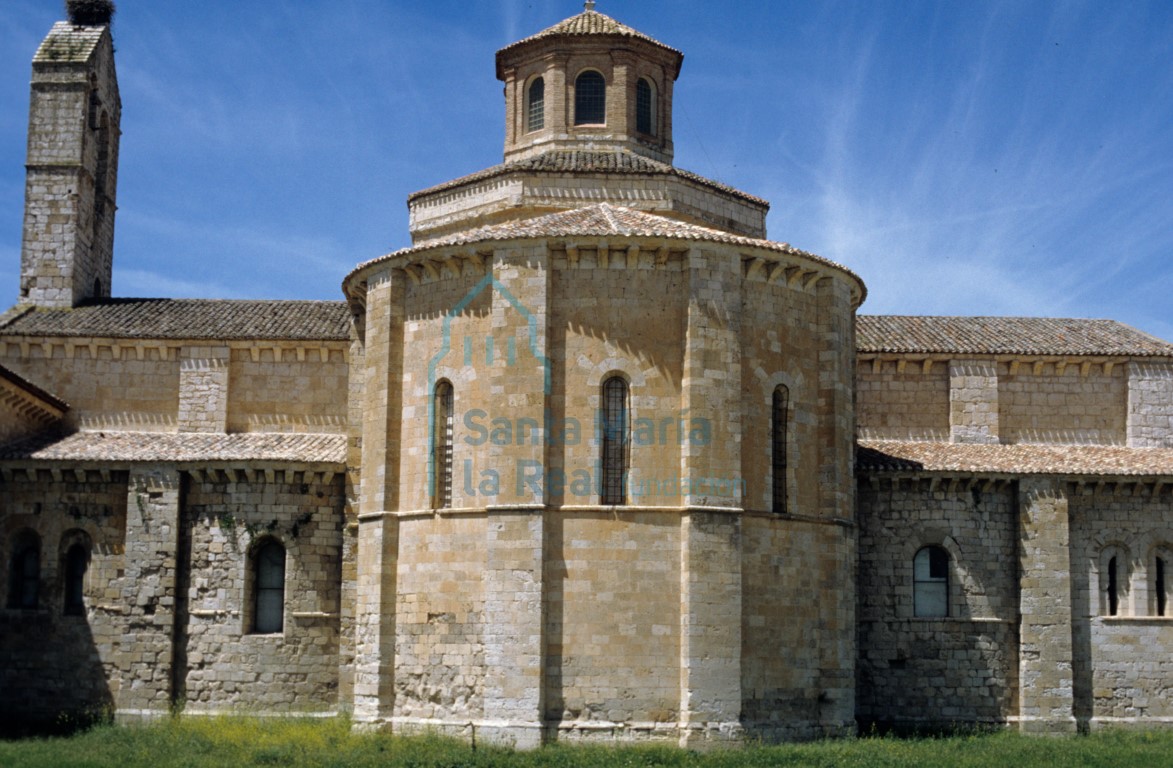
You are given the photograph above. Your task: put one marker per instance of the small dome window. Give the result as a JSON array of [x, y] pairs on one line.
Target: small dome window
[[645, 107], [535, 106], [590, 99]]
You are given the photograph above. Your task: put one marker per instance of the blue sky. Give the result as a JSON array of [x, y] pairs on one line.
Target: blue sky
[[976, 158]]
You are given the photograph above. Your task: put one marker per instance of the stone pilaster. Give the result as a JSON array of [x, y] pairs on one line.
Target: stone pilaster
[[143, 659], [203, 389], [378, 534], [1150, 405], [1046, 692], [973, 401], [513, 623], [836, 404], [710, 627]]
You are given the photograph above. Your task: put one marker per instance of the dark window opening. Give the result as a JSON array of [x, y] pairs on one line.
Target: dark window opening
[[269, 613], [779, 417], [930, 570], [1113, 589], [615, 443], [590, 99], [536, 106], [24, 582], [1161, 594], [645, 107], [77, 560]]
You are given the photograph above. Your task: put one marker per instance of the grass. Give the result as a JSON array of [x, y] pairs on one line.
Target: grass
[[242, 741]]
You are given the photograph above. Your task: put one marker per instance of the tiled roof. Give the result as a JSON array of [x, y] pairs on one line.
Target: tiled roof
[[116, 447], [188, 319], [599, 220], [588, 23], [67, 43], [614, 161], [33, 390], [1107, 460], [1003, 336]]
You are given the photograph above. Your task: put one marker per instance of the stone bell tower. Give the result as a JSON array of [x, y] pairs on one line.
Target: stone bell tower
[[72, 168]]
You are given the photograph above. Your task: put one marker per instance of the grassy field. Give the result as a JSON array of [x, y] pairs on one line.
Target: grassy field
[[239, 741]]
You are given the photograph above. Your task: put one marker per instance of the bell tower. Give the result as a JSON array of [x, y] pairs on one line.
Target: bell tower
[[72, 168], [590, 83]]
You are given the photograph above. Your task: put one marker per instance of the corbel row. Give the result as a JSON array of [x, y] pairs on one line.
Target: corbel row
[[130, 350], [256, 475], [456, 264]]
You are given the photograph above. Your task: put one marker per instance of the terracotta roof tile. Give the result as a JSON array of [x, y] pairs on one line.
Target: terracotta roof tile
[[188, 319], [1003, 335], [600, 220], [587, 23], [118, 447], [1104, 460], [614, 161]]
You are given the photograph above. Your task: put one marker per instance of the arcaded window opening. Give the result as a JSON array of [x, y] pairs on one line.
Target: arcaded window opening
[[24, 580], [269, 587], [590, 99], [779, 429], [77, 561], [535, 110], [645, 107], [615, 441], [930, 582], [442, 431]]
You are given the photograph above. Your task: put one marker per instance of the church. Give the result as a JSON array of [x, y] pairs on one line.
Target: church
[[592, 459]]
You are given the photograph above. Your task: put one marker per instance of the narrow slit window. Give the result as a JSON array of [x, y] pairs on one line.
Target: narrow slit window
[[590, 99], [535, 119], [442, 437], [779, 422], [269, 611], [1162, 595], [24, 583], [645, 107], [615, 442], [1113, 588], [77, 560], [930, 570]]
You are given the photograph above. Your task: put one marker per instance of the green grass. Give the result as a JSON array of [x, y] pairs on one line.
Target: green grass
[[242, 741]]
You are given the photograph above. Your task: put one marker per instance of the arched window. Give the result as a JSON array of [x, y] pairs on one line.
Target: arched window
[[590, 99], [535, 105], [442, 446], [930, 582], [615, 442], [1112, 585], [77, 560], [24, 579], [645, 106], [779, 421], [269, 587]]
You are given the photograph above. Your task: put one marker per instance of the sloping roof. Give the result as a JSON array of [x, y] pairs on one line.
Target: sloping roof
[[587, 23], [118, 447], [614, 161], [600, 220], [1003, 336], [1105, 460], [188, 319], [68, 44]]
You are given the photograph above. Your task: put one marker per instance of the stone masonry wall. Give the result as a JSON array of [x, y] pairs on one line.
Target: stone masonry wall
[[1068, 405], [1150, 404], [225, 663], [961, 668], [1123, 664], [54, 663], [908, 404], [286, 388]]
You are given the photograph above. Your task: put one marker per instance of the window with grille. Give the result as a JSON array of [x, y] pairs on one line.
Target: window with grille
[[615, 442], [269, 588], [645, 107], [24, 582], [590, 99], [930, 582], [779, 422], [535, 119], [77, 560], [442, 440]]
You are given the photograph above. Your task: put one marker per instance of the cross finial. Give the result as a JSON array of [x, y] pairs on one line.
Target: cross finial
[[589, 5]]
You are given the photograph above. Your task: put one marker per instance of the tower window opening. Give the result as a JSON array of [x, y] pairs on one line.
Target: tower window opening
[[645, 107], [535, 119], [590, 99], [615, 442]]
